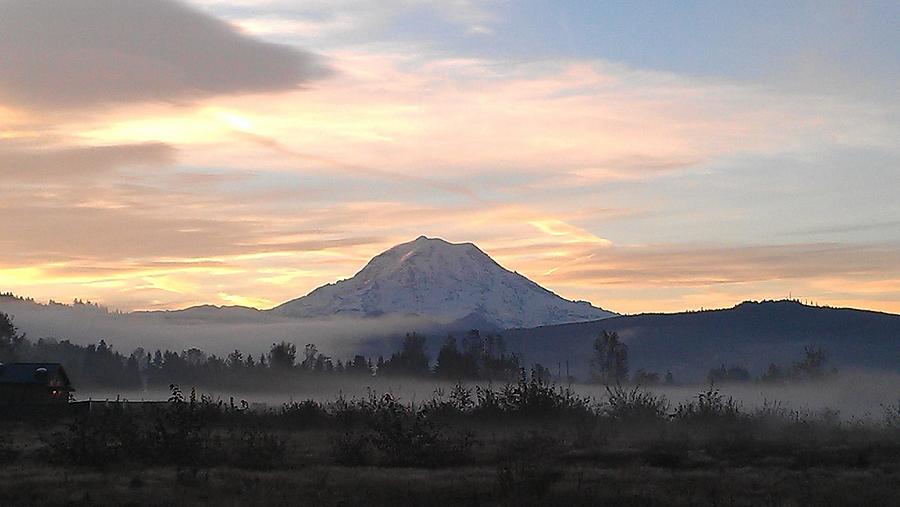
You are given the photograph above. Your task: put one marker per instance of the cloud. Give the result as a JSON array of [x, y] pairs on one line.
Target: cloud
[[537, 162], [85, 53], [340, 21], [41, 164], [285, 151], [572, 123], [703, 266]]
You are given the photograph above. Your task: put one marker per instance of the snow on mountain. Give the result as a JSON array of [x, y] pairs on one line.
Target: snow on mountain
[[443, 281]]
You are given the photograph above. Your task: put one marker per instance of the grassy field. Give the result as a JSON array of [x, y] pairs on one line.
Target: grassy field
[[522, 444]]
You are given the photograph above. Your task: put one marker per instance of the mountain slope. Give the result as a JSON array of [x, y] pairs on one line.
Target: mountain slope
[[445, 282], [751, 335]]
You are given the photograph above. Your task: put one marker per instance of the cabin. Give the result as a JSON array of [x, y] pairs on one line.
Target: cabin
[[34, 384]]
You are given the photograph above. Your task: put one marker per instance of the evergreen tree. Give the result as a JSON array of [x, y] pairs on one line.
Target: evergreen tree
[[310, 356], [359, 366], [412, 360], [282, 356], [9, 339], [449, 364], [235, 360], [131, 374]]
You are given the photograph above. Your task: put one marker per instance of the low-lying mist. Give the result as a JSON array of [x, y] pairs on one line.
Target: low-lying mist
[[853, 393], [858, 395], [86, 324]]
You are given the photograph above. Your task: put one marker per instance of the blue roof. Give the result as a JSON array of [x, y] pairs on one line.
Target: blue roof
[[27, 373]]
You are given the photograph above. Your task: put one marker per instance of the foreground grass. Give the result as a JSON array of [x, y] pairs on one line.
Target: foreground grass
[[580, 484]]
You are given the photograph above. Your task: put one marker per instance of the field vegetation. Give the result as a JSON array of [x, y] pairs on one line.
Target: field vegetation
[[528, 442]]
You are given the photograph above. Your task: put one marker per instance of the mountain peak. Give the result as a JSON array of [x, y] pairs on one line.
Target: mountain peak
[[445, 282], [434, 242]]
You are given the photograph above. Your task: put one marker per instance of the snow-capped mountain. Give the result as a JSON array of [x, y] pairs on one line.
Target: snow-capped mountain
[[445, 282]]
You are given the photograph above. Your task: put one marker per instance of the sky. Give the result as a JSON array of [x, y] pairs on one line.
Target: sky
[[644, 156]]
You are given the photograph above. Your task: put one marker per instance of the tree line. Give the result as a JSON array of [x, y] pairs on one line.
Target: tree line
[[609, 365], [473, 357]]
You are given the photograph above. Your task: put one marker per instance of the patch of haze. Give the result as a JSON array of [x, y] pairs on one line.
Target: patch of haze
[[854, 394], [252, 332], [859, 395]]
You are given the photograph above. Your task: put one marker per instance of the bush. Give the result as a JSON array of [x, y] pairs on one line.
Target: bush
[[179, 433], [635, 406], [532, 397], [395, 434], [98, 439], [459, 402], [710, 406], [304, 414]]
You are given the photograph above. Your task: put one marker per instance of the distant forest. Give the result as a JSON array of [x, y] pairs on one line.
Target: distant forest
[[473, 357]]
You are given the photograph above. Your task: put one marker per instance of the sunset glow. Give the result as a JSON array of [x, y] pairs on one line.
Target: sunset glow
[[640, 181]]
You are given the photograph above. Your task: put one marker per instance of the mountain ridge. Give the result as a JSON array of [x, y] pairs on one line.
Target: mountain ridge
[[751, 334]]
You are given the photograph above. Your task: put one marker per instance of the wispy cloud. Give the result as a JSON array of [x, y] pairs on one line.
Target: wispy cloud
[[93, 52]]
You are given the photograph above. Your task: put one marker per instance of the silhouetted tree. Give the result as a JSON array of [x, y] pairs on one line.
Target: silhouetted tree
[[132, 373], [411, 360], [235, 360], [9, 339], [359, 366], [814, 365], [310, 355], [482, 357], [495, 363], [323, 364], [449, 364], [609, 364], [539, 372], [282, 356]]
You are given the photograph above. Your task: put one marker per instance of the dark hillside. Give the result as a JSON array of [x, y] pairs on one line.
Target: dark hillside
[[752, 335]]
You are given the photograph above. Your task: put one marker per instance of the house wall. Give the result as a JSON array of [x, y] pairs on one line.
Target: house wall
[[31, 394]]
